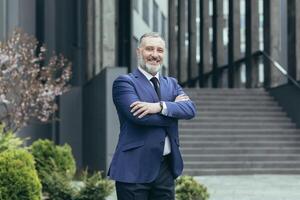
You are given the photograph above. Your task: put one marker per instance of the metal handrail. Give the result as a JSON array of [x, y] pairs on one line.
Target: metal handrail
[[281, 69], [237, 62], [241, 60]]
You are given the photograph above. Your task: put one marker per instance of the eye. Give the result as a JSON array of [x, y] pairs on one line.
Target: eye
[[160, 50], [149, 48]]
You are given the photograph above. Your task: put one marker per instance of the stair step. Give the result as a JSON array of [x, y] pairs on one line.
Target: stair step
[[242, 131], [242, 157], [239, 113], [238, 171], [212, 123], [232, 150], [215, 119], [232, 125], [240, 138], [238, 131], [203, 103], [277, 144], [230, 98], [240, 164], [239, 108], [225, 92]]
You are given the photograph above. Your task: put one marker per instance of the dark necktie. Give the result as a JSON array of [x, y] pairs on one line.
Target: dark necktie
[[155, 82]]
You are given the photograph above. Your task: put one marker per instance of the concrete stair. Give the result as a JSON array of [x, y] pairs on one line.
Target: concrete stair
[[238, 132]]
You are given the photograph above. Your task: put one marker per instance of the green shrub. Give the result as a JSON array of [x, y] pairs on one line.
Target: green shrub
[[95, 187], [18, 177], [51, 158], [9, 140], [57, 187], [189, 189], [56, 169]]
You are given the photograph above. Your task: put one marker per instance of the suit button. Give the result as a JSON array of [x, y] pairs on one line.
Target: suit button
[[162, 143]]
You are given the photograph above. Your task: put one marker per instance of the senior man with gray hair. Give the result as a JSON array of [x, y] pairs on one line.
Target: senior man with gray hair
[[147, 159]]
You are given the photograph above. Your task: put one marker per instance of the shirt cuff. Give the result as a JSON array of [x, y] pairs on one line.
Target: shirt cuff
[[164, 111]]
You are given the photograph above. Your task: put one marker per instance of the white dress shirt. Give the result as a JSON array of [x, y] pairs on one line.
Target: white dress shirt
[[167, 147]]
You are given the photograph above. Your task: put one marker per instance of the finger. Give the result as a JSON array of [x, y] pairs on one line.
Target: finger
[[140, 110], [143, 114], [184, 97], [180, 98], [134, 103], [136, 107]]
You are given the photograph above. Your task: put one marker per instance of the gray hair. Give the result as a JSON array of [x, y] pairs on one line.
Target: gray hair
[[151, 34]]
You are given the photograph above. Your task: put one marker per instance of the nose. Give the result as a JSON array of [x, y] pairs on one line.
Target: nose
[[154, 53]]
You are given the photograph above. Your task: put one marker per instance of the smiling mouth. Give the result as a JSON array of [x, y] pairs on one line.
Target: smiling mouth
[[154, 62]]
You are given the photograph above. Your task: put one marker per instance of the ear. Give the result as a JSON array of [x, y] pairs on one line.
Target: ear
[[138, 51]]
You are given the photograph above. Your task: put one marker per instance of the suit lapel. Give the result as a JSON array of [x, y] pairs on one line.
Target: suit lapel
[[163, 88], [145, 84]]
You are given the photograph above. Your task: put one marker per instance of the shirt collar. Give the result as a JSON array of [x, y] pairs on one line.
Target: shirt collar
[[148, 76]]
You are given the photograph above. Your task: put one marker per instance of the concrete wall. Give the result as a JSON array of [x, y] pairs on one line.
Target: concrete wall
[[70, 122], [288, 97], [100, 120]]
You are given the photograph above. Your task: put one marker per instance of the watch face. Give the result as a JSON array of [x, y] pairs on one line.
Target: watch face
[[161, 106]]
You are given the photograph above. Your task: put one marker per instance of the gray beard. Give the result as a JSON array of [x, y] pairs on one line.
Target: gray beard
[[151, 69]]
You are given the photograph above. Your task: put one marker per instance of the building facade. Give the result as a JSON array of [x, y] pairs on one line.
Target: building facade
[[207, 42]]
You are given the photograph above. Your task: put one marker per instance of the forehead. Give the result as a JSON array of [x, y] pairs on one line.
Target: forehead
[[153, 41]]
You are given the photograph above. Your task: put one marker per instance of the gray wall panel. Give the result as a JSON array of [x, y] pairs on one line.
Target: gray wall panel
[[100, 121], [70, 122]]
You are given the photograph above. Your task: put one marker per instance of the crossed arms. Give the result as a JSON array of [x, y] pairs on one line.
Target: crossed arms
[[128, 103]]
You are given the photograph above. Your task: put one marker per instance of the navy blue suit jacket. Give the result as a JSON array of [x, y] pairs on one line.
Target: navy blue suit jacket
[[139, 151]]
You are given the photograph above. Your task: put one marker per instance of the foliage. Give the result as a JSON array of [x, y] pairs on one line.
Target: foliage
[[29, 83], [52, 158], [9, 140], [18, 177], [95, 187], [57, 187], [189, 189]]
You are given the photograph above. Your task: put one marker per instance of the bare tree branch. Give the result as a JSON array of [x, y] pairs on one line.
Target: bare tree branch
[[29, 83]]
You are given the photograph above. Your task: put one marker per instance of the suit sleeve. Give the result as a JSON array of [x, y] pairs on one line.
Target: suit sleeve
[[124, 95], [181, 109]]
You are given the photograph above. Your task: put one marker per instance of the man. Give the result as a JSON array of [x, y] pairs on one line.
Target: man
[[147, 157]]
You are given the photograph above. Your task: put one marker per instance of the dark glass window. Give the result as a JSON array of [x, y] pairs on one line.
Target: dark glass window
[[155, 17], [146, 11], [135, 44], [163, 26]]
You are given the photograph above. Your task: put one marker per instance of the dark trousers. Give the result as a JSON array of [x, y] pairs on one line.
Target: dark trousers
[[162, 188]]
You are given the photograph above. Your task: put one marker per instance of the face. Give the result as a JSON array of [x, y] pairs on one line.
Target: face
[[151, 54]]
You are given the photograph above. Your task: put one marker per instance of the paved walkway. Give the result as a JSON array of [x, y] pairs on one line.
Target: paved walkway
[[252, 187]]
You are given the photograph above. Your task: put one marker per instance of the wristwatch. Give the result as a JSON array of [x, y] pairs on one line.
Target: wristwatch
[[161, 107]]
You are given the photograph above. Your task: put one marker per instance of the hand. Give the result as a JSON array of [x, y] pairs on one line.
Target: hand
[[182, 97], [143, 108]]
